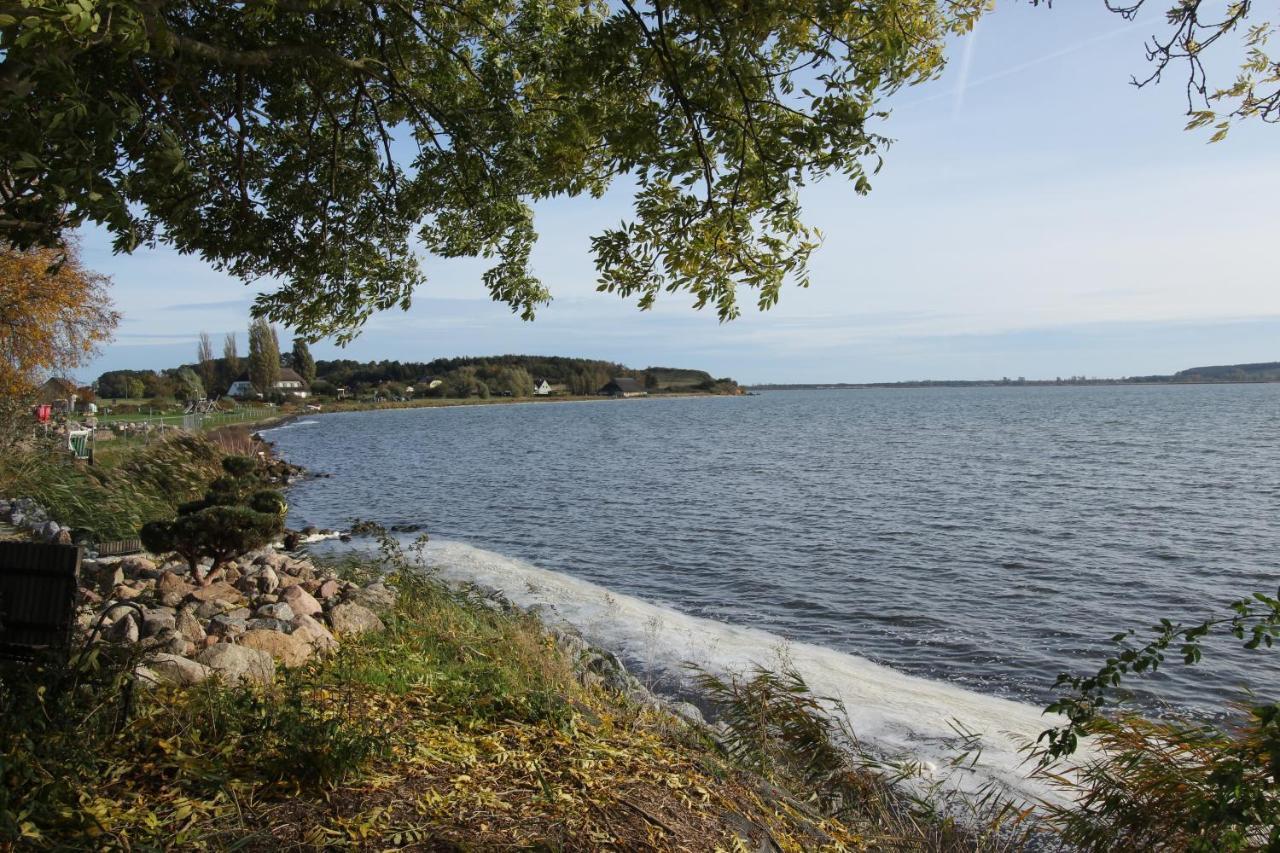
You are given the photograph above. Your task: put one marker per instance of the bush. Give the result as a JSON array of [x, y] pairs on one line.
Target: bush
[[229, 521], [1171, 784]]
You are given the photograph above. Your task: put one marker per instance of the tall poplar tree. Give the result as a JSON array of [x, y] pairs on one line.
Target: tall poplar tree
[[264, 357], [205, 362], [230, 360], [303, 363]]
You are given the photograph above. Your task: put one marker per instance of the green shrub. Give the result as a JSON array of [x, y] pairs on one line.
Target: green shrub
[[226, 523], [1172, 784]]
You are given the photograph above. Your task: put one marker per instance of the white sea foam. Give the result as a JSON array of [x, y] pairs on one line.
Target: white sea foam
[[291, 425], [897, 715]]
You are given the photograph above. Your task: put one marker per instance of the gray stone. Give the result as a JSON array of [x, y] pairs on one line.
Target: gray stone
[[238, 663], [154, 621], [49, 530], [175, 669], [224, 626], [279, 610], [269, 624], [375, 596], [267, 580], [352, 619], [208, 609], [190, 627], [688, 712], [123, 630], [167, 640]]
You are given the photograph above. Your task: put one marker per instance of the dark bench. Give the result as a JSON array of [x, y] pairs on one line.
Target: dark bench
[[37, 598]]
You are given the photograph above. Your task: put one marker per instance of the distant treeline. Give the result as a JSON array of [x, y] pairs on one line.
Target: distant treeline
[[1268, 371], [464, 376]]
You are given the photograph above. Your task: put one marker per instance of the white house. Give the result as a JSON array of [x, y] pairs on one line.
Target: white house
[[288, 382], [541, 388]]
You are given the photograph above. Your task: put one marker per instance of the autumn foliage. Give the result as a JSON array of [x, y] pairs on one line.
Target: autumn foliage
[[54, 314]]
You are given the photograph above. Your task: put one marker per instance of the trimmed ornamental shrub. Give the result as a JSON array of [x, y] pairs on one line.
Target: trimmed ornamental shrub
[[229, 521]]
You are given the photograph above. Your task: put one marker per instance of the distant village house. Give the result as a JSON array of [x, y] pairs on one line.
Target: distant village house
[[623, 386], [61, 393], [541, 388], [288, 383]]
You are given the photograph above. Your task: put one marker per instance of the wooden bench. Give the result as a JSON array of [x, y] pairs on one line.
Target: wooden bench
[[38, 585]]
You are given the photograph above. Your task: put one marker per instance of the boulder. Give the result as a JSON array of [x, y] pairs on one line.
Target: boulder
[[167, 640], [225, 626], [190, 627], [175, 669], [124, 630], [311, 631], [301, 569], [287, 649], [208, 609], [266, 623], [156, 620], [279, 610], [124, 592], [271, 560], [301, 601], [109, 577], [688, 712], [329, 589], [352, 619], [138, 567], [221, 592], [267, 580], [49, 531], [375, 596], [238, 663], [171, 584]]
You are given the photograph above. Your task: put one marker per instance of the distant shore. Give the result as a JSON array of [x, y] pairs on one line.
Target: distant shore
[[1029, 383], [329, 408]]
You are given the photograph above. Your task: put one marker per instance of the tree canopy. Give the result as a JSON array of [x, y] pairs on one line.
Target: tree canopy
[[53, 318], [322, 142], [264, 357]]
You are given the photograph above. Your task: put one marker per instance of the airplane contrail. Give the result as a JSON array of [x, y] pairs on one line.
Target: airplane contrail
[[964, 84]]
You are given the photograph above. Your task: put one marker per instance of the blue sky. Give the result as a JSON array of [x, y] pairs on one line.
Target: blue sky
[[1036, 216]]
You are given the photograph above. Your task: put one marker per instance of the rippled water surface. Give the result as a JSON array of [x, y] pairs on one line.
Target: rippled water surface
[[988, 537]]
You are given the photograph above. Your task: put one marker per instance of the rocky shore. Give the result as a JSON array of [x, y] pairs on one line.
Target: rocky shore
[[273, 607]]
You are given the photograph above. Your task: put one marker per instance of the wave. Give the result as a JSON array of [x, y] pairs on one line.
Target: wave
[[899, 717], [291, 425]]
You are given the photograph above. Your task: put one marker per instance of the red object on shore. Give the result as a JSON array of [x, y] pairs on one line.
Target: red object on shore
[[43, 412]]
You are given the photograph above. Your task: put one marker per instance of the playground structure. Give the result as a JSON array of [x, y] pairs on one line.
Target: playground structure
[[203, 406]]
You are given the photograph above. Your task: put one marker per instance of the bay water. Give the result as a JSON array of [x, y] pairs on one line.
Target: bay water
[[932, 557]]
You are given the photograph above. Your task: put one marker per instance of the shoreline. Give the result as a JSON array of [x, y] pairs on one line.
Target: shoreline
[[281, 420]]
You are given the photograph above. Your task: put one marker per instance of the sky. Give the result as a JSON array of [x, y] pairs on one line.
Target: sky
[[1036, 216]]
